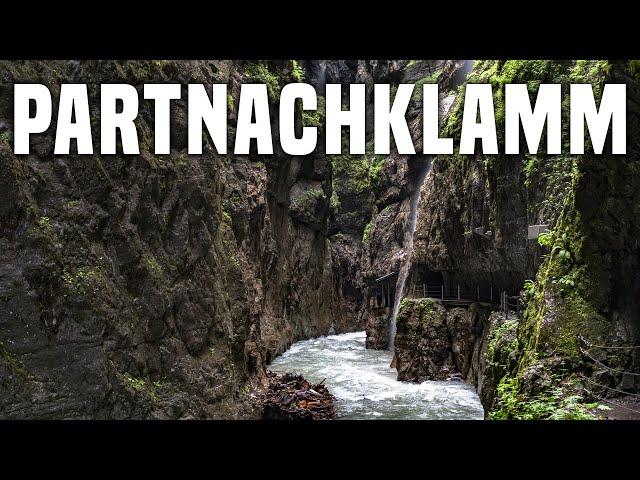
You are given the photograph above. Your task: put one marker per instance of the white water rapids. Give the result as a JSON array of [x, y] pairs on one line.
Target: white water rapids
[[366, 388]]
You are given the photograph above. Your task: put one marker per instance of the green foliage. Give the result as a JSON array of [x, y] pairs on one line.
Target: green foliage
[[153, 265], [367, 232], [546, 239], [422, 306], [529, 287], [559, 245], [634, 68], [5, 137], [530, 168], [140, 386], [14, 363], [551, 404], [559, 308], [45, 225], [404, 303], [259, 73], [357, 174], [315, 118], [502, 343], [417, 89], [309, 198], [498, 73], [594, 72], [560, 302], [137, 384], [297, 72], [80, 281]]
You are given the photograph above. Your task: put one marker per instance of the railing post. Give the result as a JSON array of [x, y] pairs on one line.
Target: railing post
[[424, 290], [491, 293], [506, 306], [478, 292], [442, 291], [458, 291]]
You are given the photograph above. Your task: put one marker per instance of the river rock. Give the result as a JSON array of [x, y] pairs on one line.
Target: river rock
[[422, 346], [434, 342], [377, 328]]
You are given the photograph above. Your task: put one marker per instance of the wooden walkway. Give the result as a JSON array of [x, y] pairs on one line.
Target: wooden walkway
[[458, 296], [465, 296]]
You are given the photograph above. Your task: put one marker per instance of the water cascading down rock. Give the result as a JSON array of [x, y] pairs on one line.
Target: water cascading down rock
[[406, 258]]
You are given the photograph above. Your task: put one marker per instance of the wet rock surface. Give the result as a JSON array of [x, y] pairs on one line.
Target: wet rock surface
[[434, 342], [377, 328], [472, 230], [156, 286]]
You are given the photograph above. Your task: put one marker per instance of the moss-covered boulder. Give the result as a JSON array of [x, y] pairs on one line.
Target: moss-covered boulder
[[422, 346]]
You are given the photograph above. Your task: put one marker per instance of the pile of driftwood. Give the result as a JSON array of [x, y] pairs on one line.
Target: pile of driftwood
[[291, 397]]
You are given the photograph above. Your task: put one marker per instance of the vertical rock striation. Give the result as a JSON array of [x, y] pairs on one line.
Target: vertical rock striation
[[156, 286], [472, 230]]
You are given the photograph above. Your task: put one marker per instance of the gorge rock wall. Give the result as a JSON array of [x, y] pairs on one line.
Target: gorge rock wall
[[146, 286], [386, 232], [582, 274], [434, 342]]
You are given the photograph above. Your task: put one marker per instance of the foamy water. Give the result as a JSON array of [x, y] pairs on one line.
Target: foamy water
[[366, 388]]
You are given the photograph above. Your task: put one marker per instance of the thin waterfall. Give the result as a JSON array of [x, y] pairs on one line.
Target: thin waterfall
[[405, 260], [405, 265], [321, 82]]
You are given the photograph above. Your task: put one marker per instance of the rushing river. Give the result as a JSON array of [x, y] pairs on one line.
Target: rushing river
[[366, 388]]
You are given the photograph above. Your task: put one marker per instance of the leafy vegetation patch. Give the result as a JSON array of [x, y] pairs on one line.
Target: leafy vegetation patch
[[560, 304], [502, 343], [297, 72], [357, 174], [141, 386], [315, 118], [78, 282], [367, 232], [551, 404], [14, 362], [260, 73]]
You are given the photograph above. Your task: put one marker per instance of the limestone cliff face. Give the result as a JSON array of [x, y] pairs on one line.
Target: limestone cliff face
[[472, 230], [155, 286], [437, 343], [386, 232]]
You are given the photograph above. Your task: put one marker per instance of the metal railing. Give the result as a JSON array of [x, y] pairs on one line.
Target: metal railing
[[453, 293], [459, 293], [509, 303]]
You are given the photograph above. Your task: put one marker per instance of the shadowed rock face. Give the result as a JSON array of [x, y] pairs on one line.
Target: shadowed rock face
[[155, 286], [159, 286], [387, 241], [377, 328], [584, 293], [436, 343]]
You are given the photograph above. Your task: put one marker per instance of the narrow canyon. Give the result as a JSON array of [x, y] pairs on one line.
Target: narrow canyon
[[165, 286]]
